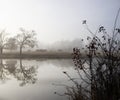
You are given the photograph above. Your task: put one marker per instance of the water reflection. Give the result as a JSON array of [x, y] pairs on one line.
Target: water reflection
[[63, 63], [44, 72], [23, 73]]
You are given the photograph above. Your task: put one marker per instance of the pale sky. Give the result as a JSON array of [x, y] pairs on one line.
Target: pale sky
[[57, 20]]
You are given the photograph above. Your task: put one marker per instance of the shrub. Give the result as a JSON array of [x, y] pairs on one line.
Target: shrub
[[98, 67]]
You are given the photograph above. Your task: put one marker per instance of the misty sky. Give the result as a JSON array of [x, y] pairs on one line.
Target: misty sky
[[56, 20]]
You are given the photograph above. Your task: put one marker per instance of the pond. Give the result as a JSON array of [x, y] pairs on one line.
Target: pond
[[34, 79]]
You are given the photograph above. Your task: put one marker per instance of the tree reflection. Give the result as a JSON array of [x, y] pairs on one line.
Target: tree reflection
[[26, 74], [3, 71]]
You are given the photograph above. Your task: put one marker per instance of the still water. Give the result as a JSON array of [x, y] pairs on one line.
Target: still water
[[34, 79]]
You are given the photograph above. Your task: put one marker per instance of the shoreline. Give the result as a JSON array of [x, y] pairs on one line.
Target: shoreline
[[36, 56]]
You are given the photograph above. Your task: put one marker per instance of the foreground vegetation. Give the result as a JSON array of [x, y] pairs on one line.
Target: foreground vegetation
[[99, 73]]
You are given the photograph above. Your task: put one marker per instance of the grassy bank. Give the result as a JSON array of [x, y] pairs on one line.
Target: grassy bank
[[27, 55]]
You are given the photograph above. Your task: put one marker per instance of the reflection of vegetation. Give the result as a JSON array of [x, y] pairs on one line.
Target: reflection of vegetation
[[25, 74], [3, 71]]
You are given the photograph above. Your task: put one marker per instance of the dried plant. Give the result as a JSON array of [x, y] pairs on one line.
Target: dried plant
[[98, 66]]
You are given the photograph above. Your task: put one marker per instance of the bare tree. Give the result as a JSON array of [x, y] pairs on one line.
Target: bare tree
[[26, 38], [11, 44], [3, 40]]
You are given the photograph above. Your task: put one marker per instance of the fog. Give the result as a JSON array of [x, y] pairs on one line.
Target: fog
[[65, 45]]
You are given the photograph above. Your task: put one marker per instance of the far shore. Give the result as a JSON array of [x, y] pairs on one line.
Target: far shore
[[38, 55], [29, 55]]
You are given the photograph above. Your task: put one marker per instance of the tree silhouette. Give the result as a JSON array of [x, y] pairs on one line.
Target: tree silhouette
[[26, 38], [3, 40], [11, 43]]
